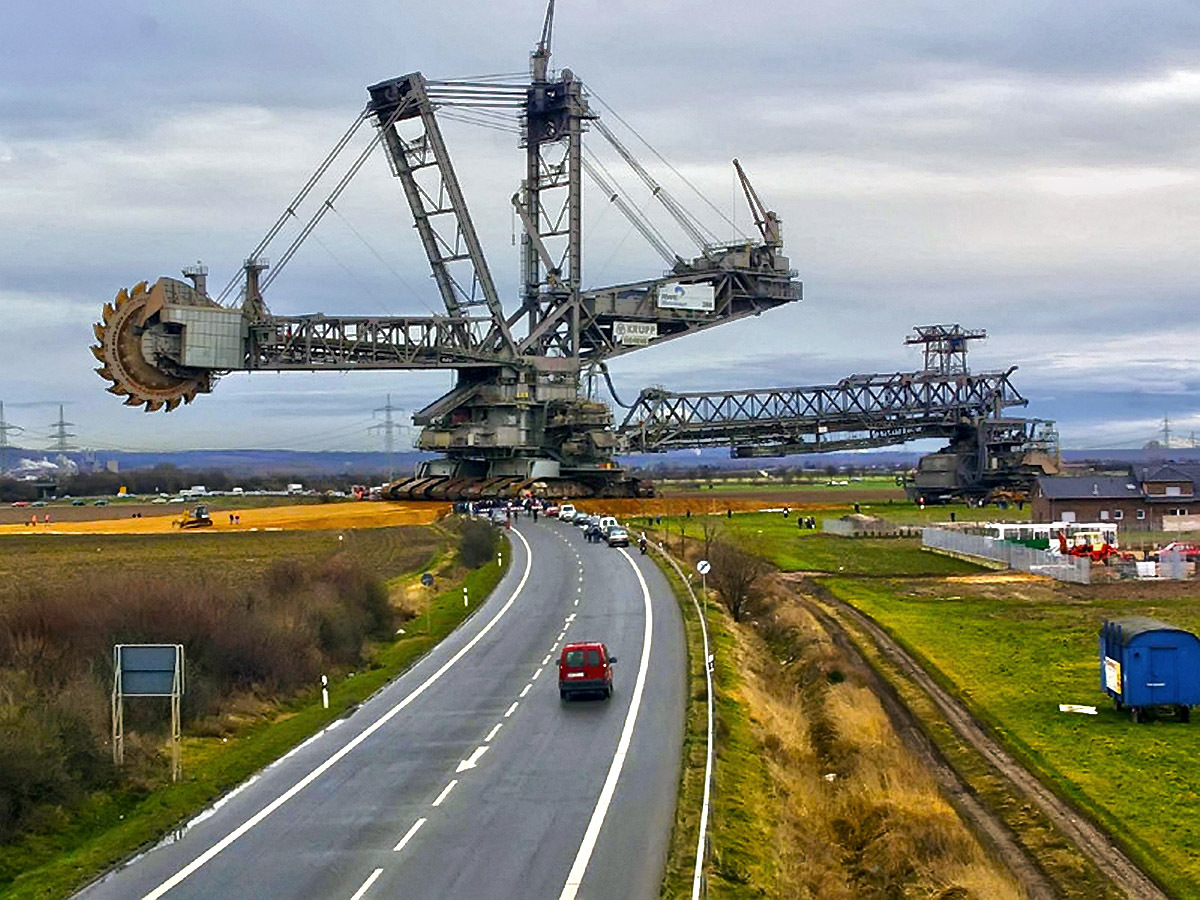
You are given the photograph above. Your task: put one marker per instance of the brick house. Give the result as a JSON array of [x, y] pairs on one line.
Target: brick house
[[1139, 501]]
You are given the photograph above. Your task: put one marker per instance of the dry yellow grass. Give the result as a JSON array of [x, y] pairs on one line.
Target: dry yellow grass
[[858, 815], [311, 517]]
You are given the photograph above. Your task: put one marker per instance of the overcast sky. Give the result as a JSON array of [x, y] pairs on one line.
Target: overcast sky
[[1032, 168]]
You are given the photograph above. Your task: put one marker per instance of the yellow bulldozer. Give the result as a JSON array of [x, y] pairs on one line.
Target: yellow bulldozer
[[194, 518]]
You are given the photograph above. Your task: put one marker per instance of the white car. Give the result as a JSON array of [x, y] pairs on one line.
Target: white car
[[607, 523], [566, 512]]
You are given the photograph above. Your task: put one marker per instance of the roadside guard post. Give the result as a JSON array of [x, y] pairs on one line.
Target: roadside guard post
[[147, 670]]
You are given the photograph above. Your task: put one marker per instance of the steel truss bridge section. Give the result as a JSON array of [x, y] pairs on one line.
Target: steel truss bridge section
[[856, 413]]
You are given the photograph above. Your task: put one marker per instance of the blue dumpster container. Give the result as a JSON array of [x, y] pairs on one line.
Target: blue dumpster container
[[1145, 663]]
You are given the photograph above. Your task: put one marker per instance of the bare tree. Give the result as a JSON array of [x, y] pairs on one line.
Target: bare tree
[[710, 527], [737, 576]]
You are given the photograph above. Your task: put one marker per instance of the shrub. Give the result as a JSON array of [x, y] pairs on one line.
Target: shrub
[[737, 575], [477, 543]]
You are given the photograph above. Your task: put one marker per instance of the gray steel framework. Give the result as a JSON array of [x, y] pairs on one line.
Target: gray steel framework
[[858, 412]]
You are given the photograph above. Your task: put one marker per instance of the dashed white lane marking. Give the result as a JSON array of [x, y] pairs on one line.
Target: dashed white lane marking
[[470, 761], [512, 709], [579, 867], [408, 835], [324, 767], [366, 885], [525, 690], [576, 601], [538, 672], [570, 618], [493, 732], [545, 661], [445, 793], [561, 635]]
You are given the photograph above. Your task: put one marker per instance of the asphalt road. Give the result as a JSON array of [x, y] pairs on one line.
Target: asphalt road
[[467, 777]]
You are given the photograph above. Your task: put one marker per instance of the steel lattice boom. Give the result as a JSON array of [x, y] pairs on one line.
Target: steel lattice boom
[[857, 412]]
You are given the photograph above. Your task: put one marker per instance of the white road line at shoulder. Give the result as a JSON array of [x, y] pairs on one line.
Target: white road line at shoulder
[[587, 847], [366, 885], [525, 690], [512, 709], [408, 835], [445, 792], [492, 734], [320, 770]]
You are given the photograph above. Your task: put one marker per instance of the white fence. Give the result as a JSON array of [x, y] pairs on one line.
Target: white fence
[[1076, 569]]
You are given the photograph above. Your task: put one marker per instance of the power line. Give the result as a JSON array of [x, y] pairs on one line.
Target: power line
[[60, 438], [388, 427], [5, 429]]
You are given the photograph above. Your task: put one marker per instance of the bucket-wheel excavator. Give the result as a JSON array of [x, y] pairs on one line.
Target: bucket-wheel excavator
[[517, 417]]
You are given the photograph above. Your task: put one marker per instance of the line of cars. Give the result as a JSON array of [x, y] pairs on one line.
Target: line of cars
[[595, 528]]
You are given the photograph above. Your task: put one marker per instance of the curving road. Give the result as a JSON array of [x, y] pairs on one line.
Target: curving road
[[467, 777]]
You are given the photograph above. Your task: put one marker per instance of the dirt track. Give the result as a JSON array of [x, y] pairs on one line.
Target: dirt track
[[311, 517]]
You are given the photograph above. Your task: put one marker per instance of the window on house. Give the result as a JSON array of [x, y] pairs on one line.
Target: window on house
[[1173, 490], [1118, 514], [1104, 515], [1068, 516], [1141, 514]]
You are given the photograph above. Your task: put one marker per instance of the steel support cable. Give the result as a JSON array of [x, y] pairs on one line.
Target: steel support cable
[[686, 221], [667, 163], [333, 195], [300, 197], [638, 221], [386, 264]]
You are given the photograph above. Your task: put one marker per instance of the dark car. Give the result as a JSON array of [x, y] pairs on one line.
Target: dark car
[[618, 537], [585, 668]]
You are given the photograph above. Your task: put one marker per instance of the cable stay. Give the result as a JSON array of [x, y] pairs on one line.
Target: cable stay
[[700, 235], [329, 201], [299, 198], [637, 220]]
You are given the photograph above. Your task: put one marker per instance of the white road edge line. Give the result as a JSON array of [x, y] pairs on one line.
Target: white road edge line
[[492, 734], [320, 770], [512, 709], [366, 885], [445, 792], [408, 835], [584, 856]]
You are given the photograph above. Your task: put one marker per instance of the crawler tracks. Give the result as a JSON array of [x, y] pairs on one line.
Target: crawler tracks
[[1091, 841]]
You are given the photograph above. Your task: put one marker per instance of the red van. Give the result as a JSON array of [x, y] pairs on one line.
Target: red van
[[585, 668]]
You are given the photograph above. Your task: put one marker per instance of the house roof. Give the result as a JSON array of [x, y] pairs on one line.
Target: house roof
[[1100, 487], [1169, 472]]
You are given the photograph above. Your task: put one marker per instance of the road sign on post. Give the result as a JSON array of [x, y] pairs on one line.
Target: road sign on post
[[147, 670], [704, 567]]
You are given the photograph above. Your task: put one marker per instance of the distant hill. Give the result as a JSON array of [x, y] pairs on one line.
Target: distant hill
[[335, 462]]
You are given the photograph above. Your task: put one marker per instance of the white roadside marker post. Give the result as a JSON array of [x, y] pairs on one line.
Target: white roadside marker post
[[325, 691]]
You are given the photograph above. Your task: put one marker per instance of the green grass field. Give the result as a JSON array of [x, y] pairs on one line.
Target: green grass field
[[795, 549], [1014, 652]]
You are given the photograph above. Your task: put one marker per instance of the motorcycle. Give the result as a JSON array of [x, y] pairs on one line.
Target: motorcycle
[[642, 546]]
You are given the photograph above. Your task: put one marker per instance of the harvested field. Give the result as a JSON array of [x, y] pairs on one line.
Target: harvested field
[[307, 517]]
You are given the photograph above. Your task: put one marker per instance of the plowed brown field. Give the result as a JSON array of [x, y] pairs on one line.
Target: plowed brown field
[[310, 517]]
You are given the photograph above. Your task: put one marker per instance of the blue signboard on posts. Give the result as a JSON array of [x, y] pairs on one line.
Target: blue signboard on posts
[[149, 670]]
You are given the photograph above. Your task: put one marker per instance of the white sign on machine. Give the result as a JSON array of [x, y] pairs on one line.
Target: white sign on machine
[[1112, 674], [634, 333], [701, 297]]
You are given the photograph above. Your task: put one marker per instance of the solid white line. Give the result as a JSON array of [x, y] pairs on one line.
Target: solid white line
[[538, 672], [525, 690], [366, 886], [493, 732], [445, 791], [584, 856], [320, 770], [408, 835], [511, 709]]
